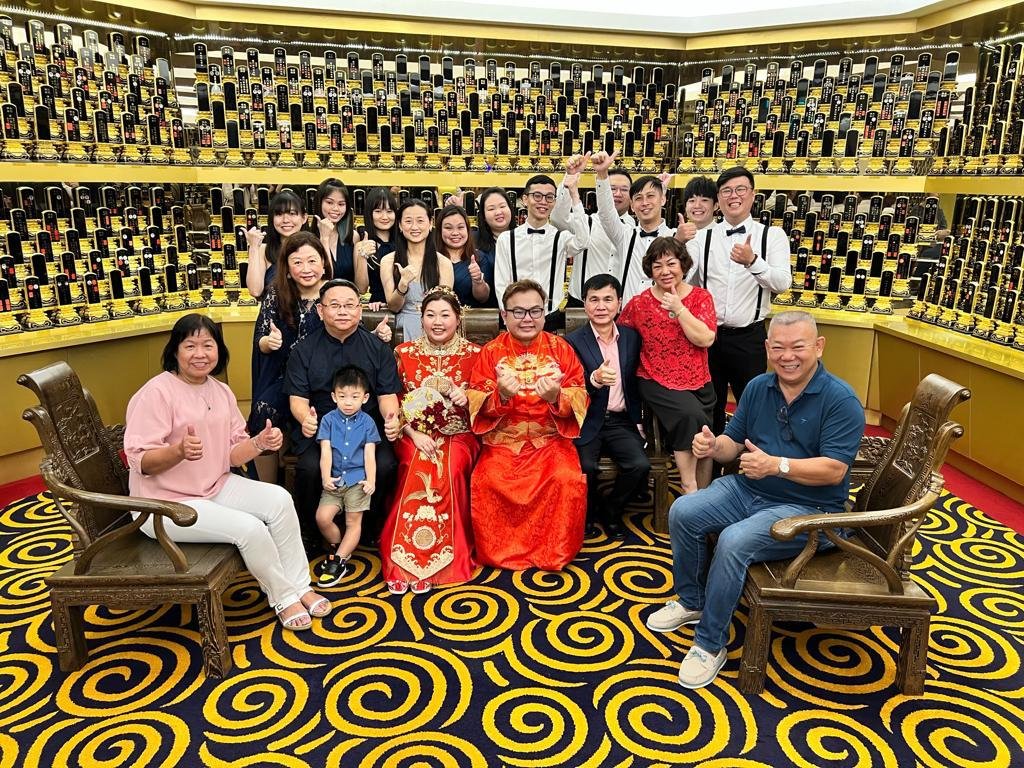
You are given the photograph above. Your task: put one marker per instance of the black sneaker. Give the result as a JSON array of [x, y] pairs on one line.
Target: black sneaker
[[333, 571]]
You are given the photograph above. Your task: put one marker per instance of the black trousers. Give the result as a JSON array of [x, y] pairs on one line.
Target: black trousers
[[308, 486], [621, 441], [737, 356]]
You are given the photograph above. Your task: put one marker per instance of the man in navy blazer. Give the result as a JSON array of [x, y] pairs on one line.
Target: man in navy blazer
[[609, 354]]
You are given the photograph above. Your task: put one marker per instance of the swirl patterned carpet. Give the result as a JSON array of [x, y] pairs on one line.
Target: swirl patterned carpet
[[516, 669]]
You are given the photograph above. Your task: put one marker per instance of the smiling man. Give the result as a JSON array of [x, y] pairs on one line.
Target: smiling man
[[527, 402], [796, 433], [742, 263]]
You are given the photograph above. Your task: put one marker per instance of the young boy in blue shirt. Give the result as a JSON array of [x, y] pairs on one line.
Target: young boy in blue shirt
[[348, 469]]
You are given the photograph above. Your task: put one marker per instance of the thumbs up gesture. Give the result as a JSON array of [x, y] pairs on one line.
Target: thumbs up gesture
[[392, 427], [475, 273], [365, 247], [191, 446], [273, 340], [686, 230], [742, 253], [383, 330], [309, 424], [254, 237], [671, 302], [601, 162], [605, 375], [575, 164], [704, 443], [270, 438], [756, 464], [325, 226]]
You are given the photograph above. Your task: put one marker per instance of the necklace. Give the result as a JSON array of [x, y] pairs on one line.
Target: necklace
[[198, 389]]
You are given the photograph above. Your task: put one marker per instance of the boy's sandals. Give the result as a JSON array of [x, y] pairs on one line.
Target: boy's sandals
[[297, 621]]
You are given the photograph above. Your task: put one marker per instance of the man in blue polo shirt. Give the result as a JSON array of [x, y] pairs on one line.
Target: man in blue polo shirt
[[796, 432]]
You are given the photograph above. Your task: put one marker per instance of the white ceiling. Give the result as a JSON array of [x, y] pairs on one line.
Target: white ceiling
[[654, 16]]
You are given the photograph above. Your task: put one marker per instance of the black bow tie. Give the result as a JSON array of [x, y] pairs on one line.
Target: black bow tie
[[531, 231], [648, 234], [740, 230]]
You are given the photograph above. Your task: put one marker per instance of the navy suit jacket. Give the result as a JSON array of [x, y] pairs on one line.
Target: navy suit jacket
[[585, 345]]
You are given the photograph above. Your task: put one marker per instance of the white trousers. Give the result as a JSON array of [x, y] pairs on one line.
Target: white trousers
[[259, 519]]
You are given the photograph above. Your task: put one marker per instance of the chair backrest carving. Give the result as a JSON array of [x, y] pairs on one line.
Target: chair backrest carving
[[916, 452], [82, 451]]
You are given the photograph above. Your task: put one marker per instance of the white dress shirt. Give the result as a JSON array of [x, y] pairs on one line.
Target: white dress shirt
[[601, 255], [734, 287], [533, 258], [630, 265]]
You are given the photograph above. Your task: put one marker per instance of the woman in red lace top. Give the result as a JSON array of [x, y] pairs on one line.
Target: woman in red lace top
[[676, 322]]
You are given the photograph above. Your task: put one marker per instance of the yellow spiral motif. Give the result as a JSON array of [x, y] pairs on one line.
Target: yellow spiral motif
[[153, 739], [648, 713], [638, 574], [125, 676], [245, 608], [33, 512], [958, 725], [104, 622], [981, 561], [818, 738], [577, 643], [22, 677], [566, 587], [263, 701], [972, 649], [535, 727], [355, 624], [472, 613], [8, 751], [424, 749], [23, 594], [397, 689], [941, 522], [39, 548]]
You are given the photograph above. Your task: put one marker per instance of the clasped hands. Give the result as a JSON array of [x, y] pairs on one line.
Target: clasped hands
[[547, 387]]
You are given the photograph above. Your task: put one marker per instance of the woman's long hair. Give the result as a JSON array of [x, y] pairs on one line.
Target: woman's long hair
[[377, 198], [430, 272], [327, 188], [286, 289], [468, 249], [284, 201], [486, 240]]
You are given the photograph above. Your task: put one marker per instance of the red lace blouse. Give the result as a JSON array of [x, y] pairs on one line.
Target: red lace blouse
[[666, 355]]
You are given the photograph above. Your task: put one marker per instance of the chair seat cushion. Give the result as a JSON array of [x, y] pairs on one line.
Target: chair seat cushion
[[139, 560]]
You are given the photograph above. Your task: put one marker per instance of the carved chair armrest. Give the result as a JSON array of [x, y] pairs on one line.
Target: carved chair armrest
[[178, 513], [827, 523]]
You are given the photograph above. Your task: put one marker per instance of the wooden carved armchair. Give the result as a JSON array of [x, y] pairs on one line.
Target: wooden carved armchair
[[114, 563], [864, 580]]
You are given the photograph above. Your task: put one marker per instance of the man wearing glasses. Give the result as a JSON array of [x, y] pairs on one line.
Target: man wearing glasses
[[742, 263], [539, 251], [527, 400], [309, 382], [796, 432]]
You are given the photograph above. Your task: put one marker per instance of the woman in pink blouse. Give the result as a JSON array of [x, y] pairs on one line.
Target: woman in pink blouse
[[184, 432], [676, 322]]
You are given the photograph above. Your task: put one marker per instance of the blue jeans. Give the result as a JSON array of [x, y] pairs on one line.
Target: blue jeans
[[743, 521]]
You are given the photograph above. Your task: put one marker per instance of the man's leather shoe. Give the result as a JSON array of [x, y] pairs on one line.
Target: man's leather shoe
[[614, 528]]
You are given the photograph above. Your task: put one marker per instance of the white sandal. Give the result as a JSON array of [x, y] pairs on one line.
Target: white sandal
[[297, 622]]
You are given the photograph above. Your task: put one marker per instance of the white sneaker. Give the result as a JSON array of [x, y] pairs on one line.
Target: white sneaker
[[671, 617], [700, 668]]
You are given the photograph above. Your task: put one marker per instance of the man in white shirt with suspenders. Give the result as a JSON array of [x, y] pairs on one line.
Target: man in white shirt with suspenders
[[539, 251], [742, 263], [647, 199], [601, 256]]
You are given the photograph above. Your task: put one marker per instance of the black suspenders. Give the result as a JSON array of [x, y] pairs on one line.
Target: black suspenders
[[629, 258], [764, 251], [583, 258], [554, 261]]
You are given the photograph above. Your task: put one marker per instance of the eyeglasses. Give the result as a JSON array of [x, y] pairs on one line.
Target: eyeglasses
[[783, 418], [520, 312], [541, 197], [734, 191], [335, 306]]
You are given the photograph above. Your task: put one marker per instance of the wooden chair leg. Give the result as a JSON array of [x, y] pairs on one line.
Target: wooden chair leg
[[661, 500], [213, 630], [913, 657], [756, 645], [69, 633]]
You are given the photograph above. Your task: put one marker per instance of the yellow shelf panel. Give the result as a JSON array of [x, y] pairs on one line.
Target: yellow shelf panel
[[995, 357], [18, 172], [975, 185]]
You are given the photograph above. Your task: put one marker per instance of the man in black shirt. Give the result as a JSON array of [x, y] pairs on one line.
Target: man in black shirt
[[309, 383]]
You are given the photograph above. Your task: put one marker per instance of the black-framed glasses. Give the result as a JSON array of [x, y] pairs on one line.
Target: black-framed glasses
[[541, 197], [783, 418], [520, 312]]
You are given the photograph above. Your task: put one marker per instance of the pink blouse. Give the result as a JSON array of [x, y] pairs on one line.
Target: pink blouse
[[159, 415]]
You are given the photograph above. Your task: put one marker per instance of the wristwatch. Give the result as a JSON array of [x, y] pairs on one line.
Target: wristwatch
[[783, 466]]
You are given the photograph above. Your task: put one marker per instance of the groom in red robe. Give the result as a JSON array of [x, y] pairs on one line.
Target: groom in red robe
[[527, 400]]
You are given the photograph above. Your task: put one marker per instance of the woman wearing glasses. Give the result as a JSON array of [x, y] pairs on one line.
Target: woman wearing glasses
[[676, 322], [413, 268]]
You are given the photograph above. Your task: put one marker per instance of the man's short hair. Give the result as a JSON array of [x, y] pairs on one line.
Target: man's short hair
[[351, 376], [640, 184], [603, 280], [540, 178], [792, 317], [700, 186], [522, 286], [733, 173], [338, 282], [620, 172]]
